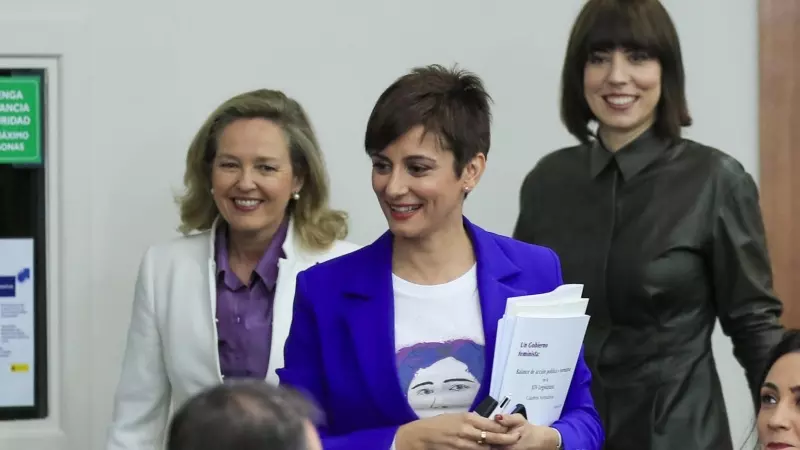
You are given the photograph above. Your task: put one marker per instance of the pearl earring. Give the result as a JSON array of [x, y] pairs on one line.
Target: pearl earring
[[296, 196], [466, 188], [212, 191]]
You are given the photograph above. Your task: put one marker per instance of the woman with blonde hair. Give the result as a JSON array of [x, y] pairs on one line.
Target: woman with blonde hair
[[216, 304]]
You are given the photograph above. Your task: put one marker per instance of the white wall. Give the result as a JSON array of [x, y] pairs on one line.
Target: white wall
[[137, 78]]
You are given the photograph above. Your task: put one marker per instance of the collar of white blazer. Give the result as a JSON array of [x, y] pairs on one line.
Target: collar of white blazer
[[291, 245]]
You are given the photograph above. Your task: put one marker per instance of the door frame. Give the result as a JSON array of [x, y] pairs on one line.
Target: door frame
[[779, 134]]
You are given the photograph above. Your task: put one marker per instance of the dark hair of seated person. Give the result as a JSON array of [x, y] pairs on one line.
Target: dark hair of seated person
[[245, 415]]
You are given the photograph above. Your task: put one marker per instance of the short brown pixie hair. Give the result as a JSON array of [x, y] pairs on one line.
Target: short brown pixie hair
[[635, 25], [451, 103]]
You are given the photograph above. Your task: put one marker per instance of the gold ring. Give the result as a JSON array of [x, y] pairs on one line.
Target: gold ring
[[483, 438]]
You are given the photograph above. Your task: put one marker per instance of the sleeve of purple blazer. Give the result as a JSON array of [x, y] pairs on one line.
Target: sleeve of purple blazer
[[375, 438], [580, 425], [302, 370]]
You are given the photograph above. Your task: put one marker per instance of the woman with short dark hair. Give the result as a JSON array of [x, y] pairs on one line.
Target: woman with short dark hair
[[665, 233], [395, 341]]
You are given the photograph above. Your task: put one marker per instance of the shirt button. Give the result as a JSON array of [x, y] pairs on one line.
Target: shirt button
[[238, 319]]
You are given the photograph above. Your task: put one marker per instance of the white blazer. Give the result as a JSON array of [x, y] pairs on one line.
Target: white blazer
[[171, 352]]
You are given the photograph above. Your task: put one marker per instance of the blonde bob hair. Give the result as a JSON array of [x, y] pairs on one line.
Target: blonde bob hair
[[316, 225]]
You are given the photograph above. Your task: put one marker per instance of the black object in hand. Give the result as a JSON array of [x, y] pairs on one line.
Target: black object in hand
[[520, 409], [486, 406]]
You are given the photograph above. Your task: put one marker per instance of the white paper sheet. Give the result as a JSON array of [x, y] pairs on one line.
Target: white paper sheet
[[536, 351]]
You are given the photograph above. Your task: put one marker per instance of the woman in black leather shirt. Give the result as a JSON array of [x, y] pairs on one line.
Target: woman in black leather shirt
[[665, 233]]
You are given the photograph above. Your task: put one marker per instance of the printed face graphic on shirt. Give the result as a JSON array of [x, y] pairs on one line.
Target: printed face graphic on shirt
[[446, 382], [440, 375]]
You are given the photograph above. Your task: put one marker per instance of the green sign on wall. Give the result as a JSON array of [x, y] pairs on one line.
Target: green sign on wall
[[20, 120]]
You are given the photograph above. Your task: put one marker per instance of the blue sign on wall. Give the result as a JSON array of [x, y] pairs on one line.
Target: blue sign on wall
[[8, 286]]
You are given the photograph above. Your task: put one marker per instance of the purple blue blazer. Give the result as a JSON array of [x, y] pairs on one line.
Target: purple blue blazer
[[341, 348]]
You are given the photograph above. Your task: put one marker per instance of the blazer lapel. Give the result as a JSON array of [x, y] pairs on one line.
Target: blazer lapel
[[283, 300], [495, 272], [371, 324], [212, 299], [282, 303]]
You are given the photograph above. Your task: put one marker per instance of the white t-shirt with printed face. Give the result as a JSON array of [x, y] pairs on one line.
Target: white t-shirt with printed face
[[439, 344]]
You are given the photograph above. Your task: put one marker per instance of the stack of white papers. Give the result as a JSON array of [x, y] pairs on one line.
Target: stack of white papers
[[538, 342]]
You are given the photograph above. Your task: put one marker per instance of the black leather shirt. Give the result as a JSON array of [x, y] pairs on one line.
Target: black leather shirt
[[667, 238]]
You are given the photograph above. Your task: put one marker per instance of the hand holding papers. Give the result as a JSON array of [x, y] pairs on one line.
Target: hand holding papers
[[538, 342]]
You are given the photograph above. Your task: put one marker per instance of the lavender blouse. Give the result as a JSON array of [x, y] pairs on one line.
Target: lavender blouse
[[244, 311]]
